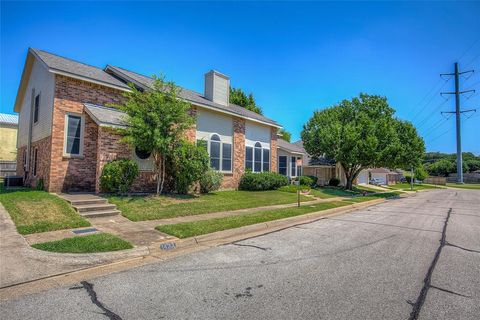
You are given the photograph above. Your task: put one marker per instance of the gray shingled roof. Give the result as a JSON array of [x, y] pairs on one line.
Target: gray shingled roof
[[9, 119], [189, 95], [314, 161], [104, 116], [58, 63], [290, 147]]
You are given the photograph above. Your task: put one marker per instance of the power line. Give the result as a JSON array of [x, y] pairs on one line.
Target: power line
[[428, 116], [430, 100]]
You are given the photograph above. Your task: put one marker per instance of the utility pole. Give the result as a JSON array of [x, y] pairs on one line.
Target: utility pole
[[458, 114]]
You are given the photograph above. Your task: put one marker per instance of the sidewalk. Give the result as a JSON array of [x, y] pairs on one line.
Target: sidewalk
[[20, 263]]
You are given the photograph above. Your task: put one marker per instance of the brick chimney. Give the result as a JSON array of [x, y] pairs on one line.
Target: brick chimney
[[217, 87]]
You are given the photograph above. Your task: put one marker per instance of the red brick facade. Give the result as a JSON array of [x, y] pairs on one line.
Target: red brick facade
[[62, 173], [42, 164], [273, 150]]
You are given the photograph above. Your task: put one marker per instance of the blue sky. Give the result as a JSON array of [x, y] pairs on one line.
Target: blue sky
[[295, 57]]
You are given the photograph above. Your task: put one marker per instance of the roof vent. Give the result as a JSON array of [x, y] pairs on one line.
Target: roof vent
[[217, 87]]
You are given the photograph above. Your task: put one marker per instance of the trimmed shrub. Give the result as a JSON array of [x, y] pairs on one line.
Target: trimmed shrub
[[188, 164], [293, 188], [118, 175], [308, 180], [334, 182], [262, 181], [210, 181]]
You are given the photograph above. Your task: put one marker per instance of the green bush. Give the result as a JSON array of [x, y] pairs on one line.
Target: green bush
[[40, 184], [308, 180], [334, 182], [262, 181], [210, 181], [294, 188], [188, 163], [118, 175]]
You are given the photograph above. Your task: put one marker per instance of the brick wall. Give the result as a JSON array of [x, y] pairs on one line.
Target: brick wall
[[273, 150], [67, 173], [230, 181], [109, 148], [43, 147], [191, 133]]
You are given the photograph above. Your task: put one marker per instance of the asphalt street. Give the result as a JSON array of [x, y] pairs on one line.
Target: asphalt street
[[412, 258]]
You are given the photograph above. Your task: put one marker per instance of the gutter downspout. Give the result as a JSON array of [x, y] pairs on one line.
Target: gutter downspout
[[29, 138]]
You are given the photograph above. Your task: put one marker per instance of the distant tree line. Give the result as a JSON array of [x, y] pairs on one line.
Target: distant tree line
[[442, 164]]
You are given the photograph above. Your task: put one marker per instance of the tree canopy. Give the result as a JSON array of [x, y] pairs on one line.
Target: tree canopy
[[287, 136], [156, 121], [362, 133], [238, 97]]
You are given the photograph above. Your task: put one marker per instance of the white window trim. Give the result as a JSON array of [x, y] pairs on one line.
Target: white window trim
[[39, 103], [82, 134], [261, 157], [221, 152]]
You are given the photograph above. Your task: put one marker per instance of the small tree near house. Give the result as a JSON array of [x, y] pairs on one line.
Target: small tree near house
[[156, 121], [362, 133]]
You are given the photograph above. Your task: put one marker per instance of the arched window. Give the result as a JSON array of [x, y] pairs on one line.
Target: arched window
[[215, 152], [257, 158]]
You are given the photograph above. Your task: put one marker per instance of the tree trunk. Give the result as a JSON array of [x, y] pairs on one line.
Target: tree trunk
[[349, 184], [163, 173]]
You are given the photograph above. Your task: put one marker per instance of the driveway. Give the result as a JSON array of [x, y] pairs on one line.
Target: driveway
[[412, 258]]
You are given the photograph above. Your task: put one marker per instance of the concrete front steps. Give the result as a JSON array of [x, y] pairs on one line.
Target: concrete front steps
[[90, 205]]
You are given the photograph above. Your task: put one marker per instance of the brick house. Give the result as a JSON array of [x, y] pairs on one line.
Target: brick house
[[67, 133]]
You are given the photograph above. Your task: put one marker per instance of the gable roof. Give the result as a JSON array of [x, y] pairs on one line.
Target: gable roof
[[314, 161], [196, 98], [60, 65], [290, 147]]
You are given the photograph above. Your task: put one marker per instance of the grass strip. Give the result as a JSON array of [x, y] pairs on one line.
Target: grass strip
[[374, 197], [140, 208], [100, 242], [35, 211], [464, 186], [196, 228]]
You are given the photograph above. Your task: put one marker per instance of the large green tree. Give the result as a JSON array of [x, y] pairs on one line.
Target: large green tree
[[156, 121], [238, 97], [361, 133]]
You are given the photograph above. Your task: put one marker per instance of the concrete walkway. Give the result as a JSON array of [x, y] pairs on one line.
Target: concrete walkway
[[21, 263]]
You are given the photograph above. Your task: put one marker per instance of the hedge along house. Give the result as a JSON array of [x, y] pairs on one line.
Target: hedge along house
[[67, 133]]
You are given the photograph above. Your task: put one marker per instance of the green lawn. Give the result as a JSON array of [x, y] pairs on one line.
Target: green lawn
[[35, 211], [139, 208], [190, 229], [374, 197], [416, 187], [330, 192], [100, 242], [464, 186]]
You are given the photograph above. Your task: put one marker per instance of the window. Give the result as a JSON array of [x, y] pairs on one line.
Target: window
[[293, 167], [142, 154], [35, 158], [282, 165], [257, 158], [36, 108], [249, 158], [266, 160], [257, 162], [226, 157], [73, 135], [215, 152], [220, 153]]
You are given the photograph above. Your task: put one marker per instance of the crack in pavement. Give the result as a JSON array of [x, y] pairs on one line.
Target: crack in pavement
[[449, 291], [93, 296], [251, 246], [417, 306], [383, 224], [462, 248]]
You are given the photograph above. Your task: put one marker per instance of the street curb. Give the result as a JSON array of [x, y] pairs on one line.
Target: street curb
[[173, 248]]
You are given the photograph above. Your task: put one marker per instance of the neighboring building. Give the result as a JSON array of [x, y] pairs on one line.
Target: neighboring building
[[8, 137], [65, 132], [385, 176], [322, 168], [8, 144], [288, 156]]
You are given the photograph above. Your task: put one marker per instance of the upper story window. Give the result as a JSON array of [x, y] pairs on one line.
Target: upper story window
[[36, 108], [220, 153], [257, 158], [74, 127]]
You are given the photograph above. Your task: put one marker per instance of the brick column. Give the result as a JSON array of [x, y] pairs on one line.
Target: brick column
[[273, 149], [238, 150]]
